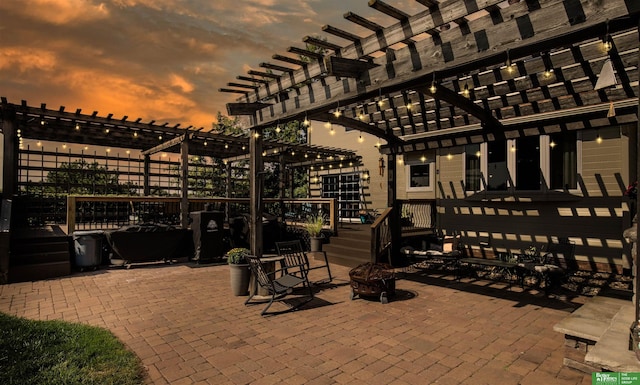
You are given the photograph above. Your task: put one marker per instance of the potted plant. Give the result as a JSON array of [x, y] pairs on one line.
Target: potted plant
[[239, 272], [314, 229]]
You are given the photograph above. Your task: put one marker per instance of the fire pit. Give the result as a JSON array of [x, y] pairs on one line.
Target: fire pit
[[373, 279]]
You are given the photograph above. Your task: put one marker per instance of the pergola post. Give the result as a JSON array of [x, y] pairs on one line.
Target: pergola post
[[228, 188], [392, 201], [636, 265], [255, 190], [10, 158], [184, 181], [282, 185], [147, 166]]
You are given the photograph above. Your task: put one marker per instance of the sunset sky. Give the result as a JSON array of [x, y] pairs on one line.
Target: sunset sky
[[155, 59]]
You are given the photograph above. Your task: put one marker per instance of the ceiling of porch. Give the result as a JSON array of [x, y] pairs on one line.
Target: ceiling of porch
[[459, 72]]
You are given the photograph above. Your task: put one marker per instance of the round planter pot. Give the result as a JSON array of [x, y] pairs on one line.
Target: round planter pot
[[315, 243], [239, 278]]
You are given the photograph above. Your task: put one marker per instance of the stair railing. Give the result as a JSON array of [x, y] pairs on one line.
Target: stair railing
[[381, 236]]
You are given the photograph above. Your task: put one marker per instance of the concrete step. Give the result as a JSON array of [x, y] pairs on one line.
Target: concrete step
[[597, 336], [611, 352]]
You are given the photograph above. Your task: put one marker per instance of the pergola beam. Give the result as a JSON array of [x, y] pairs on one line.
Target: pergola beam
[[387, 9], [350, 68], [234, 109], [165, 145]]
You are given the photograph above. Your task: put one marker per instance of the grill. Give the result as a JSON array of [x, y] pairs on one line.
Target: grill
[[371, 280]]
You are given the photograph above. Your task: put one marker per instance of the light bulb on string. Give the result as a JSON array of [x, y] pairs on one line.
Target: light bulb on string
[[433, 87], [606, 40], [509, 65]]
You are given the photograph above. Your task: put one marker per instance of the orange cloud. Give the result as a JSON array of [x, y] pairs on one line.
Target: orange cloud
[[57, 11]]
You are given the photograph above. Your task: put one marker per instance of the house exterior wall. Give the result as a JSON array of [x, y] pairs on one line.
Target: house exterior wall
[[375, 186], [593, 217]]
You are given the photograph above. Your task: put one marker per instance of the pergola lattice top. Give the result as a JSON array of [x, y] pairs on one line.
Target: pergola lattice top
[[529, 67], [41, 123]]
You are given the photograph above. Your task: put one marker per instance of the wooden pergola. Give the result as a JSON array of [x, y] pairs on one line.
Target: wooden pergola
[[459, 72], [22, 121]]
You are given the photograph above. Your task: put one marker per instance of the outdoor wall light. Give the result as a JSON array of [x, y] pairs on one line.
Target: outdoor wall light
[[305, 122], [423, 158], [256, 135], [278, 129], [106, 130]]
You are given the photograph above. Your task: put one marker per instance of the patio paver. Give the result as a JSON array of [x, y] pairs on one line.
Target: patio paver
[[185, 325]]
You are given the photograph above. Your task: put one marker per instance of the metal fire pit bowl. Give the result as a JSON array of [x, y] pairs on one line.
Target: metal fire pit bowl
[[372, 280]]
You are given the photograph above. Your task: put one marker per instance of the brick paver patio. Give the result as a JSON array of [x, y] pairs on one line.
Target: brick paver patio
[[187, 328]]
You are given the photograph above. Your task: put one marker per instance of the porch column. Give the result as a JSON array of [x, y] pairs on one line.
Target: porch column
[[255, 190], [10, 158], [184, 180]]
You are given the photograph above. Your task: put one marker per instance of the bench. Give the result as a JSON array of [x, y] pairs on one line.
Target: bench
[[551, 267]]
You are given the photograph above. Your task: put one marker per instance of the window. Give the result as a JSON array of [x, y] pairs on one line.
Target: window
[[497, 174], [346, 189], [420, 171], [524, 163], [527, 163], [472, 167], [563, 161]]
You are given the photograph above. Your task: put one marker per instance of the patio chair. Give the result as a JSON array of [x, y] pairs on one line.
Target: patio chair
[[280, 286], [293, 254]]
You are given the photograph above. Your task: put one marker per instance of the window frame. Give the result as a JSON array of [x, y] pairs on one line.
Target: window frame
[[545, 162]]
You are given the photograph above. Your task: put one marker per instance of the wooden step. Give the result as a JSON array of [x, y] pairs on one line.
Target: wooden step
[[35, 272]]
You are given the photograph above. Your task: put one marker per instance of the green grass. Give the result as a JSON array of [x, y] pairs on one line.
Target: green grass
[[57, 352]]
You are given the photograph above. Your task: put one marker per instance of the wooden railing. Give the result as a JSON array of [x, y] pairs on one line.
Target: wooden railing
[[108, 212], [381, 237], [417, 215]]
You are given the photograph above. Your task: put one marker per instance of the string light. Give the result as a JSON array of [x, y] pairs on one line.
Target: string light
[[106, 130], [332, 131], [380, 100], [159, 137], [226, 145], [135, 134], [328, 125], [510, 68], [433, 87], [205, 143], [360, 138], [337, 112], [465, 91], [77, 126], [606, 40]]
